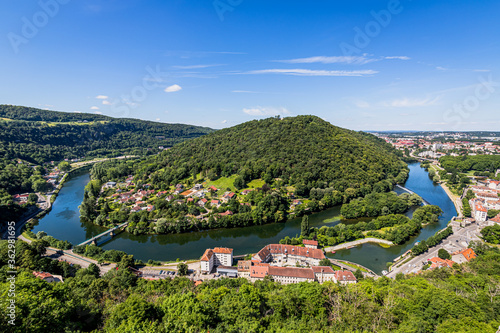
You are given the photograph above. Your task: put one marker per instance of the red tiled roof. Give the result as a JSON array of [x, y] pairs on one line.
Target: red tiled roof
[[259, 271], [42, 275], [207, 255], [304, 273], [290, 249], [438, 262], [309, 242], [344, 276], [324, 269], [496, 219], [480, 208], [469, 254], [223, 250]]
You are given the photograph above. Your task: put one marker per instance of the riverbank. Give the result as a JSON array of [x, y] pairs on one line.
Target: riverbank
[[455, 199], [358, 242]]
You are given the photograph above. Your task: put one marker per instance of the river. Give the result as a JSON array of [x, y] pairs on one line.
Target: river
[[63, 222]]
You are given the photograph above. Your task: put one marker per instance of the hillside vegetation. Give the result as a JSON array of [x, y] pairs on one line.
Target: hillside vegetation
[[305, 152], [40, 136], [464, 298]]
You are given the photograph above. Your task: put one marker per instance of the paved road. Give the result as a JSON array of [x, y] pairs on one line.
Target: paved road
[[455, 241]]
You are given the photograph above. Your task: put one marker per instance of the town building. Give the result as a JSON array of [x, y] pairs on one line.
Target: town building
[[287, 275], [219, 256], [289, 254], [345, 277], [311, 244], [462, 256], [324, 273], [48, 277], [437, 262]]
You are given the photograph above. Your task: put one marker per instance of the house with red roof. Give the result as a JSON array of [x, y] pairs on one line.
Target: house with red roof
[[289, 254], [312, 244], [324, 273], [219, 256], [345, 277], [437, 262], [462, 256]]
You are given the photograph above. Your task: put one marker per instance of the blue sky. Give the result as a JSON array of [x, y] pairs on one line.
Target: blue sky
[[362, 65]]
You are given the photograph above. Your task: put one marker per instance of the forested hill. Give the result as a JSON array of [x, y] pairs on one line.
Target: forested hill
[[39, 136], [302, 151]]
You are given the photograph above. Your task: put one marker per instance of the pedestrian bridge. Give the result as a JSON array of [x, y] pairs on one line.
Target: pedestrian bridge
[[110, 232], [411, 192]]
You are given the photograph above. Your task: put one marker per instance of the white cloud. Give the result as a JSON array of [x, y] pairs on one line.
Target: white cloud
[[224, 121], [106, 102], [157, 119], [398, 58], [439, 68], [329, 60], [358, 60], [482, 70], [94, 108], [98, 112], [196, 66], [266, 111], [408, 103], [173, 88], [310, 72], [101, 97]]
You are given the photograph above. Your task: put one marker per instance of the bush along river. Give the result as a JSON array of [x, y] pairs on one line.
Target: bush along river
[[63, 222]]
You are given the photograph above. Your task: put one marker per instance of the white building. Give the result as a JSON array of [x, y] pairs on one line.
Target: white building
[[324, 273], [479, 211], [207, 261], [220, 256]]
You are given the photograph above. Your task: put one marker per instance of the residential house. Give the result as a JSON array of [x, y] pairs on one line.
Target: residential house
[[496, 219], [312, 244], [207, 261], [198, 187], [440, 263], [48, 277], [345, 277], [324, 273], [244, 267], [202, 202], [215, 203], [462, 256], [228, 196], [169, 198], [494, 184], [245, 192], [219, 256]]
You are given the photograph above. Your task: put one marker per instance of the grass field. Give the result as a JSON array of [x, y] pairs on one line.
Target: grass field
[[255, 183], [222, 183]]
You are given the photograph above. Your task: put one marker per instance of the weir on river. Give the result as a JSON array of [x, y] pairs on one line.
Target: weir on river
[[63, 222]]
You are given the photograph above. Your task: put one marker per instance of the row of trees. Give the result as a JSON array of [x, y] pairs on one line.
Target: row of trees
[[434, 240]]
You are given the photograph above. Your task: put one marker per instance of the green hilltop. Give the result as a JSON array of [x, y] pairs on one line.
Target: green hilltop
[[305, 152]]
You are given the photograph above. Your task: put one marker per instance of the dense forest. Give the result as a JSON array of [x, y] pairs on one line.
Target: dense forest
[[484, 163], [39, 136], [304, 151], [464, 298]]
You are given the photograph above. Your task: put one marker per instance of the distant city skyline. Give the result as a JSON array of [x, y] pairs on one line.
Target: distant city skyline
[[365, 65]]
